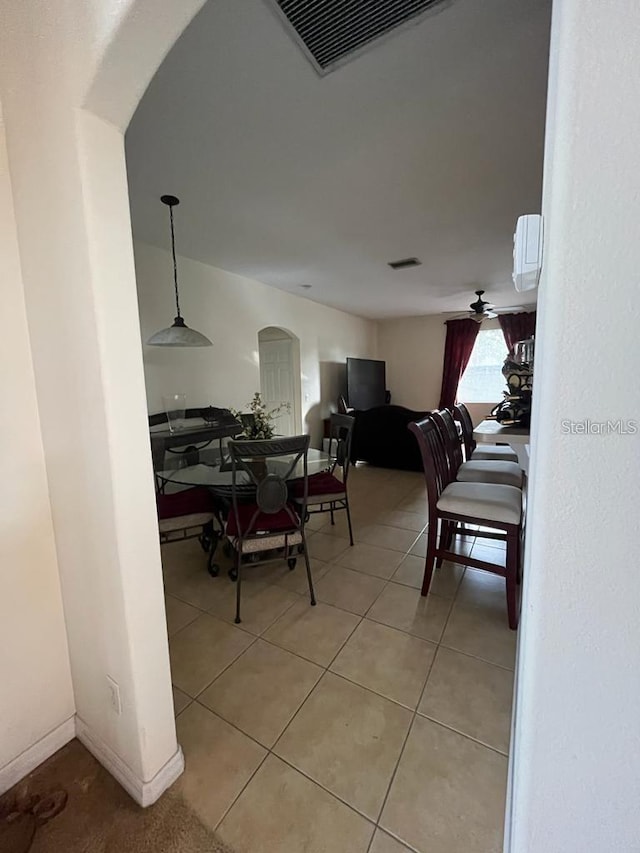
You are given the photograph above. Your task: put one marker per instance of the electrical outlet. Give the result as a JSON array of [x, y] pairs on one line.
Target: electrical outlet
[[114, 695]]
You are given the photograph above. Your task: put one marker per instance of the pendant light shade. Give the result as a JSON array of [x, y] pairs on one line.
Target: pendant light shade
[[179, 334]]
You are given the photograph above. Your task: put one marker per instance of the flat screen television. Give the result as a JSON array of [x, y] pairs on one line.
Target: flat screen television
[[366, 383]]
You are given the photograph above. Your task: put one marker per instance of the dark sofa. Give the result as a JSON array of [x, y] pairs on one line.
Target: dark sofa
[[381, 437]]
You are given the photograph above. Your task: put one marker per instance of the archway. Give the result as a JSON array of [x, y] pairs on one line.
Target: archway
[[280, 377], [66, 161], [69, 81]]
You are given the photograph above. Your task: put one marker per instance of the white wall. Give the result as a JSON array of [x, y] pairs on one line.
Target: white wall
[[413, 348], [70, 197], [577, 735], [36, 696], [231, 310]]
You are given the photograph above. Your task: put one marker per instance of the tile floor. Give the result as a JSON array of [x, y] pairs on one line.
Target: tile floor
[[375, 722]]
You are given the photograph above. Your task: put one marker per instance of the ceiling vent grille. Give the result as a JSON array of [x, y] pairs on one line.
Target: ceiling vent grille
[[404, 263], [332, 31]]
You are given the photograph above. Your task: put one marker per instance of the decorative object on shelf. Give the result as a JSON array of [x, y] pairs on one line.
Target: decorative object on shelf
[[179, 334], [258, 423], [515, 409]]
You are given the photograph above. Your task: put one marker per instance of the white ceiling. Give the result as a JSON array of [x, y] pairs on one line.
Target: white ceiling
[[429, 144]]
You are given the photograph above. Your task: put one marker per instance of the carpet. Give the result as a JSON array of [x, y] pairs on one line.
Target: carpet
[[98, 815]]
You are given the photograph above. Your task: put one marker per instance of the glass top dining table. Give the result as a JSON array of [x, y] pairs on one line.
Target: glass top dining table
[[218, 477]]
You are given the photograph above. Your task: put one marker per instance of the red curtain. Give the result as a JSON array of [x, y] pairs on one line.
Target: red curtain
[[517, 327], [461, 336]]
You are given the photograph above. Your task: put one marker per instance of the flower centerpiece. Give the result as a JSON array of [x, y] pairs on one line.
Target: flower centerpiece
[[258, 423]]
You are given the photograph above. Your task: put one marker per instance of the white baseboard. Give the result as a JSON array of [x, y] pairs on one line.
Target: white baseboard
[[144, 793], [32, 757]]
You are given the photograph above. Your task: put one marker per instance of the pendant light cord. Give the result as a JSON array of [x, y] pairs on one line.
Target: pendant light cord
[[175, 264]]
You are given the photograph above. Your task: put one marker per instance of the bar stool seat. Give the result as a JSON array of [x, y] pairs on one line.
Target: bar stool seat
[[494, 452], [482, 500], [490, 471]]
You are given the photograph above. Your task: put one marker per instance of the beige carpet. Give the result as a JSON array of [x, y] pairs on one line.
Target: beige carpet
[[99, 816]]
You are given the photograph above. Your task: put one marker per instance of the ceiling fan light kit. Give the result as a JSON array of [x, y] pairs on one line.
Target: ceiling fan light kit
[[179, 334], [483, 310]]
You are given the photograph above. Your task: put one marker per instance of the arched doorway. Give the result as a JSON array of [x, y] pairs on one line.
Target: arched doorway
[[279, 354]]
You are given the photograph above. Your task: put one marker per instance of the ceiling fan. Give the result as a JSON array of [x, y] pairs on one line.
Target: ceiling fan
[[483, 310]]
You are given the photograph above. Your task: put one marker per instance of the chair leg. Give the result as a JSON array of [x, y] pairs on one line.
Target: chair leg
[[238, 567], [453, 526], [445, 536], [346, 503], [512, 575], [432, 532], [333, 521], [520, 556], [309, 578]]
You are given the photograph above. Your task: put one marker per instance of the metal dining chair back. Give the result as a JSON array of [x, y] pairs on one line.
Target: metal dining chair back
[[262, 469], [327, 493], [263, 516]]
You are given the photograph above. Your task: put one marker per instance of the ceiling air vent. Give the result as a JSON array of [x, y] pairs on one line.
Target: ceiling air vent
[[404, 263], [333, 31]]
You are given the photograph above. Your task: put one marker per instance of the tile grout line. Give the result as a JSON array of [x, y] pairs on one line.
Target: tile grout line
[[476, 657], [402, 749], [439, 643], [269, 750], [255, 637], [413, 718], [327, 668], [243, 788], [463, 734]]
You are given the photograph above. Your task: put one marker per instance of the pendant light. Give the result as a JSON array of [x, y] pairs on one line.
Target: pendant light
[[178, 335]]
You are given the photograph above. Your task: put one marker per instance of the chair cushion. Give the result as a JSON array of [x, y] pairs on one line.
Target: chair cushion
[[482, 500], [494, 451], [323, 488], [265, 522], [184, 522], [315, 500], [322, 483], [267, 542], [490, 471], [186, 502]]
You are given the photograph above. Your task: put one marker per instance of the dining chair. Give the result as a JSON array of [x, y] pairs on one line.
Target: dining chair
[[497, 471], [471, 449], [326, 492], [263, 518], [450, 503], [187, 514]]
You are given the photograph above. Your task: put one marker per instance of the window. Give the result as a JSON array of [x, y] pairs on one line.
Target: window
[[482, 381]]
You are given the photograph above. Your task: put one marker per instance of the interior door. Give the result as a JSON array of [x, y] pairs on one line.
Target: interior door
[[276, 381]]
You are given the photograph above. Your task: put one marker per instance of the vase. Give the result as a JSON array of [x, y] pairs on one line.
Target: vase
[[175, 406]]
